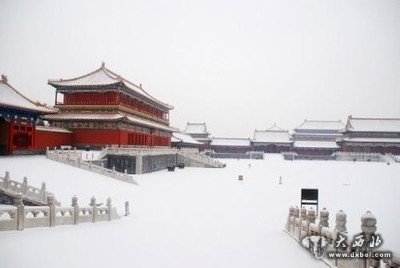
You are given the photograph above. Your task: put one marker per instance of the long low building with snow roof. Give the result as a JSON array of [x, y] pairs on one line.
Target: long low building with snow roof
[[272, 140], [315, 138], [103, 108], [230, 145], [372, 135]]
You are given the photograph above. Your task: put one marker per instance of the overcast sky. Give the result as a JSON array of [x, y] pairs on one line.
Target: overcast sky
[[236, 65]]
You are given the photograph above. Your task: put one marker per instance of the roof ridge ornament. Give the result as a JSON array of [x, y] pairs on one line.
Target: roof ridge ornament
[[4, 78], [103, 64]]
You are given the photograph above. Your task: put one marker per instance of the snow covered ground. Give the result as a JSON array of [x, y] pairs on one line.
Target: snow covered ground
[[199, 217]]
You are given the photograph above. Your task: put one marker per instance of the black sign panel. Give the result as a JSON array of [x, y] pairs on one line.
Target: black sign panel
[[309, 197]]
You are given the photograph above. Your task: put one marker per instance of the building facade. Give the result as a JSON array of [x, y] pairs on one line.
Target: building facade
[[317, 138], [19, 129], [372, 135], [103, 108], [272, 140]]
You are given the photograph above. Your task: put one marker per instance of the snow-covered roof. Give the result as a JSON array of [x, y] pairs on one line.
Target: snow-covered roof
[[321, 125], [12, 98], [315, 144], [230, 142], [104, 77], [53, 129], [373, 124], [373, 140], [109, 117], [196, 128], [273, 134], [182, 137]]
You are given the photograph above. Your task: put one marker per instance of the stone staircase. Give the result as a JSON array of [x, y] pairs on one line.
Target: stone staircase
[[10, 190]]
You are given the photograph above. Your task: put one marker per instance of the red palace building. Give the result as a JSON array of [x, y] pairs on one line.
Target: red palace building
[[19, 132], [102, 108], [371, 135]]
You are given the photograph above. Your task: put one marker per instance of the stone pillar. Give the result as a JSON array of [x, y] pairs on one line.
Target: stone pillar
[[43, 191], [139, 164], [20, 211], [368, 227], [323, 219], [291, 210], [127, 208], [310, 219], [296, 213], [24, 185], [109, 209], [76, 209], [303, 217], [47, 152], [341, 220], [94, 206], [7, 180], [52, 210]]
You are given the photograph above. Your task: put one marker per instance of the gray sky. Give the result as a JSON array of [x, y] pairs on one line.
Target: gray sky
[[236, 65]]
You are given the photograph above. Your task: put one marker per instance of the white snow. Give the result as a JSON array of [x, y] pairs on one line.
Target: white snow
[[185, 138], [199, 217], [322, 125], [315, 144], [9, 96], [230, 142], [373, 124]]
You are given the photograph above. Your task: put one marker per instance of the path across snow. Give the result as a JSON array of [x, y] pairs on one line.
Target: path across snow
[[199, 217]]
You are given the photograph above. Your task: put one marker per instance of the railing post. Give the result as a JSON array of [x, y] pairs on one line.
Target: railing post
[[20, 211], [109, 209], [43, 191], [323, 219], [7, 180], [310, 219], [76, 209], [341, 219], [303, 217], [94, 210], [291, 209], [24, 185], [52, 210], [296, 213], [47, 152], [127, 208], [368, 227]]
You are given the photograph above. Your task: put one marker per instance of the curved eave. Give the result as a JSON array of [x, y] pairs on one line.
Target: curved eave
[[38, 111]]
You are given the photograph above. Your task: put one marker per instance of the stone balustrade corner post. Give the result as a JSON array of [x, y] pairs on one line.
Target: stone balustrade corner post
[[43, 191], [24, 187], [18, 201], [7, 180], [94, 209], [109, 209], [52, 210], [76, 209], [323, 219]]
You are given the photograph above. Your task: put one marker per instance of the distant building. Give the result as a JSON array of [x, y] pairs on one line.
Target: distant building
[[315, 137], [103, 108], [19, 132], [198, 131], [182, 140], [272, 140], [230, 145], [372, 135]]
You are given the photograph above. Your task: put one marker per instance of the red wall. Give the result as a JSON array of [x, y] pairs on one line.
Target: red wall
[[51, 139], [97, 137]]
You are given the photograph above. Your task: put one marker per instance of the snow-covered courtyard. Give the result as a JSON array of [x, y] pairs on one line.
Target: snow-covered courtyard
[[199, 217]]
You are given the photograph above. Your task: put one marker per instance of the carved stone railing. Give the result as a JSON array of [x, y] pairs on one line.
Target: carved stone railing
[[74, 159], [20, 216], [321, 240], [30, 193]]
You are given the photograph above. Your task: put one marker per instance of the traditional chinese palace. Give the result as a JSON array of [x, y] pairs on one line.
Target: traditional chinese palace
[[103, 108], [272, 140], [19, 132], [371, 135]]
